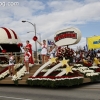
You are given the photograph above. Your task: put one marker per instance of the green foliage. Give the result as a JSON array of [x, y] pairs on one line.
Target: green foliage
[[95, 78], [16, 82], [54, 84]]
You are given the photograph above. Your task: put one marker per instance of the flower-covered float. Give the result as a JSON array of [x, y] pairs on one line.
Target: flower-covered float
[[62, 70], [9, 42], [65, 69]]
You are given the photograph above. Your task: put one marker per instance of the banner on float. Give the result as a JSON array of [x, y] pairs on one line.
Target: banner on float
[[50, 42], [93, 42], [68, 36]]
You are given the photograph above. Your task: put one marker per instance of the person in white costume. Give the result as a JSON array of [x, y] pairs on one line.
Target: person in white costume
[[43, 51], [11, 64], [52, 51], [27, 56]]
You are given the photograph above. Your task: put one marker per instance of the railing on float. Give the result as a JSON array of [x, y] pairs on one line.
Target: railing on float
[[19, 57]]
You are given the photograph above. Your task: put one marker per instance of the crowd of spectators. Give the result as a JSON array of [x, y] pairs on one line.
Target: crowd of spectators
[[74, 56], [78, 55]]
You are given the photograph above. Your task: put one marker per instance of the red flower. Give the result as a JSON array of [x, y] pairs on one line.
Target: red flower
[[58, 77], [88, 64], [3, 51], [59, 47], [5, 69], [97, 70], [35, 38], [20, 44]]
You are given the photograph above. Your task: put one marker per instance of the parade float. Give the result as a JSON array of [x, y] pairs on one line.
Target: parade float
[[9, 42], [58, 71]]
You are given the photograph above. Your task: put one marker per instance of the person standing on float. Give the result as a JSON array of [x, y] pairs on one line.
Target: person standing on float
[[52, 51], [27, 56], [29, 46], [11, 64], [43, 51]]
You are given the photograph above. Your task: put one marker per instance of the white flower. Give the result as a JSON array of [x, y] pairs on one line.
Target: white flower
[[94, 67], [78, 65], [44, 70], [88, 71], [14, 78], [29, 78], [83, 68], [75, 69], [20, 73], [30, 65], [60, 69], [88, 74], [92, 74], [55, 79]]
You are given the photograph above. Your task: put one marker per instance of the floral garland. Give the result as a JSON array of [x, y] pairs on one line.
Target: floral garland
[[21, 72], [5, 69], [97, 70], [79, 73], [88, 72], [92, 72], [51, 81], [4, 73], [94, 78]]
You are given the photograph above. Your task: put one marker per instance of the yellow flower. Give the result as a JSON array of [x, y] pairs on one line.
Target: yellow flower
[[69, 69], [96, 61], [64, 62], [53, 60], [85, 61]]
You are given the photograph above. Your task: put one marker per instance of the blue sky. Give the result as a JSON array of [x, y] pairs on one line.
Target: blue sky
[[90, 29], [51, 16]]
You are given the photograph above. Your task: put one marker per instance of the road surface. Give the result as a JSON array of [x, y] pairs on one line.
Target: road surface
[[82, 92]]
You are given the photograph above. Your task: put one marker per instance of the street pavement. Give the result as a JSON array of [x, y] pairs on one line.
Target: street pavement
[[90, 91]]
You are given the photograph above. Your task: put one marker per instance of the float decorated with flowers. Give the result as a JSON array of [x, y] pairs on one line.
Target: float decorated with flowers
[[66, 68]]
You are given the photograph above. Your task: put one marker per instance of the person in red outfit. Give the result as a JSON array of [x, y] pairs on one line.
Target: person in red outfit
[[27, 56], [29, 46]]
